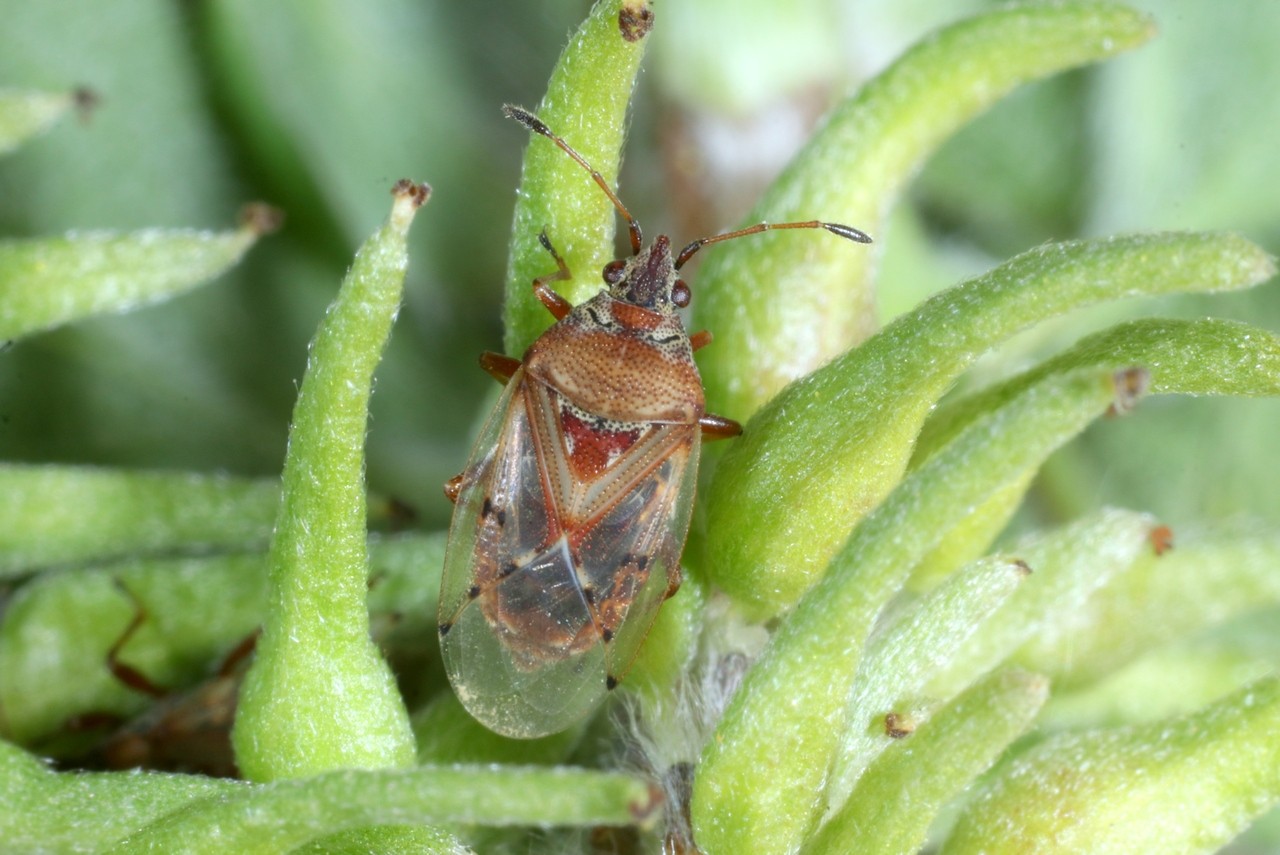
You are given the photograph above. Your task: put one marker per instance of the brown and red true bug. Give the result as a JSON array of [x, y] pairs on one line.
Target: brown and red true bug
[[572, 512]]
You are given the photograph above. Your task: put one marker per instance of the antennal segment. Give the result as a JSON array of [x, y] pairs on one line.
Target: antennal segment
[[536, 125], [848, 232]]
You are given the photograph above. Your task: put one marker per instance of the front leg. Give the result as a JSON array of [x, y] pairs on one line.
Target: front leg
[[718, 427], [499, 366], [558, 306]]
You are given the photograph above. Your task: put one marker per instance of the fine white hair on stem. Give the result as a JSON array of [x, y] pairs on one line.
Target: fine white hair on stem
[[664, 733]]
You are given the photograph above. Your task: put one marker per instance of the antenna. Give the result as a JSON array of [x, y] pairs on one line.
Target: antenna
[[843, 231], [536, 125]]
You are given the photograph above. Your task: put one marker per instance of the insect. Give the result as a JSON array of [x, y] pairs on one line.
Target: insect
[[184, 731], [572, 512]]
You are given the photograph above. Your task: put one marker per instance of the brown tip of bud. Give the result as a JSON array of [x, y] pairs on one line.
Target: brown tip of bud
[[1021, 567], [899, 725], [85, 100], [635, 20], [416, 194], [1161, 539], [261, 218], [1130, 384]]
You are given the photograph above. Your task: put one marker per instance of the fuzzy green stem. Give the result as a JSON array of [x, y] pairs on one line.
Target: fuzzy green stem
[[319, 696], [48, 282], [585, 103], [761, 778], [65, 515], [783, 304], [832, 445], [281, 816], [895, 802], [25, 113], [1188, 784]]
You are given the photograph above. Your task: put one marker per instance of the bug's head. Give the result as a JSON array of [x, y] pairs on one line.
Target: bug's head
[[648, 278]]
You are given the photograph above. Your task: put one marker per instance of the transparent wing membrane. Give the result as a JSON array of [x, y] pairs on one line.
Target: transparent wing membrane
[[552, 580]]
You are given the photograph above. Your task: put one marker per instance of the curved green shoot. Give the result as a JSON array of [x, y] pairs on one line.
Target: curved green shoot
[[1188, 784], [902, 791], [1201, 357], [790, 712], [785, 303], [319, 696], [48, 282], [585, 103], [901, 659], [25, 113], [54, 516], [820, 455], [280, 816]]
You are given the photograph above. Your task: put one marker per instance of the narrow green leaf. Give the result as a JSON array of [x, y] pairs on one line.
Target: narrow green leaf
[[385, 840], [48, 282], [280, 816], [902, 791], [901, 658], [1188, 784], [64, 515], [45, 811], [782, 305], [586, 103], [1201, 357], [196, 611], [828, 449], [1210, 579], [1067, 566], [319, 696], [1173, 680], [25, 113], [759, 786]]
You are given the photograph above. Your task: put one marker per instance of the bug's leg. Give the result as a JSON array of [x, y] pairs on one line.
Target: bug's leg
[[700, 339], [453, 487], [558, 306], [499, 366], [674, 579], [127, 674], [239, 654], [718, 427]]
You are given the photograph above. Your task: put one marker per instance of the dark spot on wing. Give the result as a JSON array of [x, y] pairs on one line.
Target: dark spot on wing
[[610, 682], [444, 629]]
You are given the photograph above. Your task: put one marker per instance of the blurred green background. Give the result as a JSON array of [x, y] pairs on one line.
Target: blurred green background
[[318, 107]]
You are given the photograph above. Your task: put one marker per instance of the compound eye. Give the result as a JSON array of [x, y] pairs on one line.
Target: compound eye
[[680, 293], [613, 271]]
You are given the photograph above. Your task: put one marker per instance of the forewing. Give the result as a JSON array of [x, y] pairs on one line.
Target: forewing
[[631, 554], [517, 636], [496, 473], [543, 611]]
